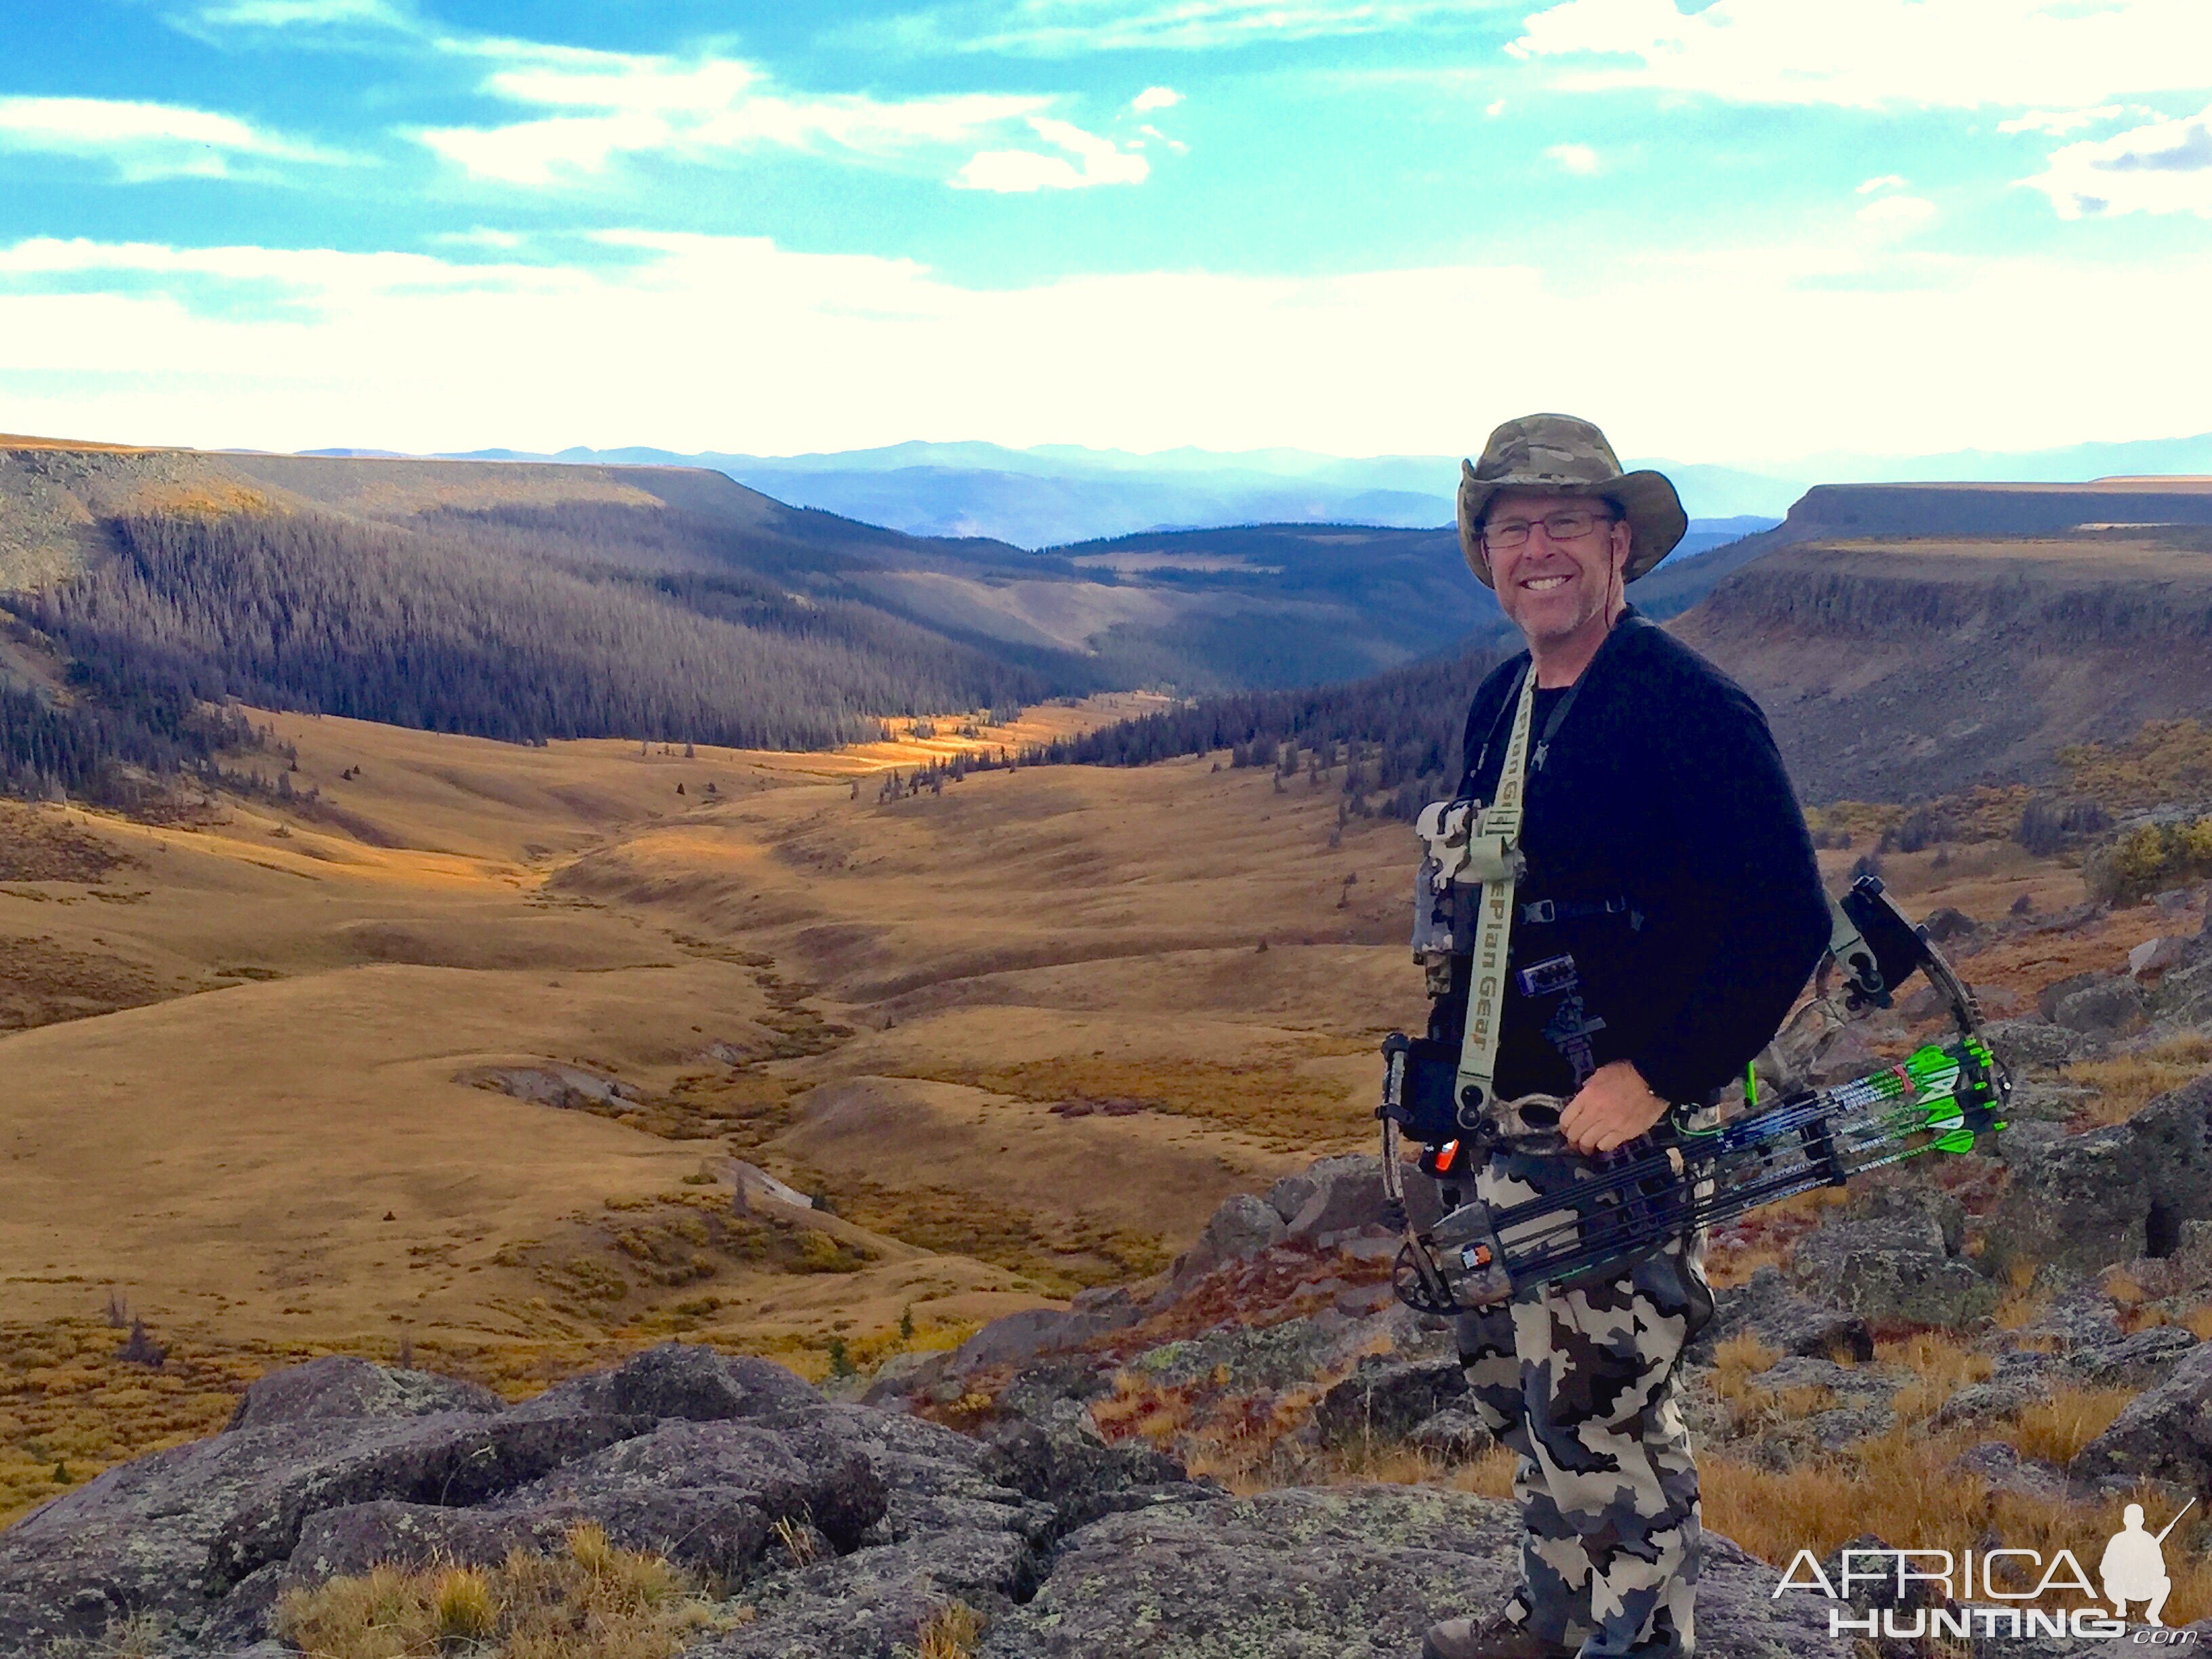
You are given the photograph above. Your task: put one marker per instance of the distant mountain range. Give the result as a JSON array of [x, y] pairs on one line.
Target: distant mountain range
[[1054, 494]]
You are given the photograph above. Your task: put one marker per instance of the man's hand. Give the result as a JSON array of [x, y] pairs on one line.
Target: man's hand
[[1611, 1110]]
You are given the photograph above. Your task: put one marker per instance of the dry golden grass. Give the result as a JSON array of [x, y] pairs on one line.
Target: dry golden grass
[[591, 1602], [2126, 1084], [1060, 1253], [2021, 1304], [69, 1408], [951, 1632], [1271, 1100], [1736, 1362], [2058, 1427], [1940, 1367]]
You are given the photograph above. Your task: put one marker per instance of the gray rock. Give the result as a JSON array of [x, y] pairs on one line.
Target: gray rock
[[2142, 1360], [2173, 1140], [936, 1481], [2042, 1104], [873, 1604], [2165, 1433], [1989, 1402], [1895, 1259], [1387, 1399], [243, 1618], [448, 1459], [2079, 1316], [341, 1386], [2184, 997], [1453, 1435], [707, 1493], [2048, 998], [165, 1533], [1766, 1307], [2024, 1044], [1248, 1358], [1241, 1228], [2110, 1008], [2082, 1201], [679, 1379], [2005, 1470], [1345, 1193], [1029, 1333], [1067, 1464], [1331, 1574], [354, 1537]]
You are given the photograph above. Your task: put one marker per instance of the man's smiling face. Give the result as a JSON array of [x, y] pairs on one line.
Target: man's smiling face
[[1553, 589]]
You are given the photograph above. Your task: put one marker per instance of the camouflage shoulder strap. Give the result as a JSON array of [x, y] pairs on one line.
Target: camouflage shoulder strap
[[1494, 848]]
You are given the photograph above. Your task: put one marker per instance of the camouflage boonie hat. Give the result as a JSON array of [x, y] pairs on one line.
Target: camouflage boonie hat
[[1557, 454]]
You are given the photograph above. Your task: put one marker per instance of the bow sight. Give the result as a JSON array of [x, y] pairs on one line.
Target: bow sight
[[1634, 1202]]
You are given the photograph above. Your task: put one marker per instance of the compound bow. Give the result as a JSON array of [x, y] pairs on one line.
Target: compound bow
[[1941, 1098]]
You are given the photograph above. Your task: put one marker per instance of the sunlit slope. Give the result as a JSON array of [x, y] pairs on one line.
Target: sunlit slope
[[1021, 1032]]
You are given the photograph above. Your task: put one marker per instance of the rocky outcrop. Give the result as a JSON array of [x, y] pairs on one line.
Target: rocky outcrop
[[2164, 1434], [2085, 1201], [1303, 1574], [1765, 1308], [1388, 1400], [341, 1386], [1895, 1255], [682, 1451]]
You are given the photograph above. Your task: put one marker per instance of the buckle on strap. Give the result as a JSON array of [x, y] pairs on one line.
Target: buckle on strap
[[1541, 910]]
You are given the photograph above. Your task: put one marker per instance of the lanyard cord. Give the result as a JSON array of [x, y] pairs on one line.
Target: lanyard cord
[[1630, 619]]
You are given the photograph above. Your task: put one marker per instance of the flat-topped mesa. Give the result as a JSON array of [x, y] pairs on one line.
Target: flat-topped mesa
[[1918, 639]]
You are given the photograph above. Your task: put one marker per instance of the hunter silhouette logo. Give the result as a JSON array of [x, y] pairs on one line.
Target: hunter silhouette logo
[[2133, 1567], [1980, 1593]]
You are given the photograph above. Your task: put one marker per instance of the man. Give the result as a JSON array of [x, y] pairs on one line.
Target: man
[[1670, 912]]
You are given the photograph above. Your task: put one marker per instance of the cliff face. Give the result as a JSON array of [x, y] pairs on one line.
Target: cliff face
[[1912, 640]]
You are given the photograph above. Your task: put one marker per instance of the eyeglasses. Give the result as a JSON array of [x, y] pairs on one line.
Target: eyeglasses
[[1570, 524]]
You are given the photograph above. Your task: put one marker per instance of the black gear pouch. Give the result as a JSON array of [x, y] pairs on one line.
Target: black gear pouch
[[1426, 1111]]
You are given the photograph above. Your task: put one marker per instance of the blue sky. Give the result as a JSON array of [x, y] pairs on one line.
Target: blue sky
[[1734, 232]]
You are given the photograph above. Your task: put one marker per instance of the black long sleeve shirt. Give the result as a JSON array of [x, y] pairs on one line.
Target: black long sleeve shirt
[[1682, 892]]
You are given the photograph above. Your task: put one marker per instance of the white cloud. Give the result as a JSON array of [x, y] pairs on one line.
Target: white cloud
[[1175, 144], [2162, 167], [614, 105], [1578, 158], [1495, 107], [699, 343], [1066, 28], [1958, 53], [1898, 216], [1887, 181], [285, 14], [2058, 123], [142, 141], [1020, 171], [1152, 98]]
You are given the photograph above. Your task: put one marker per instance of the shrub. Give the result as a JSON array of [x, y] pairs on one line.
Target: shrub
[[2047, 825], [2148, 859]]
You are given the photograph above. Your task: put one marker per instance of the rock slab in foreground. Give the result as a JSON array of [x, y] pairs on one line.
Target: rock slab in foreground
[[1353, 1572]]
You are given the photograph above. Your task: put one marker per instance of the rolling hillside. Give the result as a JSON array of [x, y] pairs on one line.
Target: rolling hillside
[[532, 601]]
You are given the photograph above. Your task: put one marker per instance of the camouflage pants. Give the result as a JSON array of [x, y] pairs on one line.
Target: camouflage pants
[[1579, 1383]]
